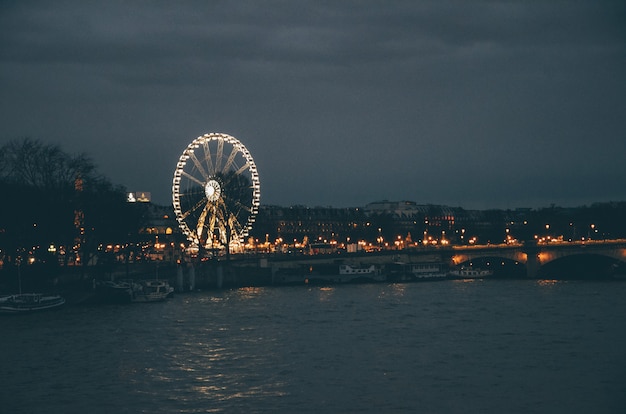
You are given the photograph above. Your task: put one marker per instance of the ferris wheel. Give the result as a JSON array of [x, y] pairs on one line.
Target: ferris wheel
[[216, 191]]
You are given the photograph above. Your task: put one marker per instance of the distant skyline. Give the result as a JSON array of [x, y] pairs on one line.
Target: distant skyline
[[473, 104]]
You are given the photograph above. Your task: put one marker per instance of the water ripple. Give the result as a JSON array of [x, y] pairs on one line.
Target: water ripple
[[513, 346]]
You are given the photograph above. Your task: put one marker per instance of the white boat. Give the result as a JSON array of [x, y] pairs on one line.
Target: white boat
[[427, 271], [30, 302], [151, 291], [411, 272], [330, 274], [470, 273], [348, 274]]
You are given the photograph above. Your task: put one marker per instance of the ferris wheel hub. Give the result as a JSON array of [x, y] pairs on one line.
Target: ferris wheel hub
[[212, 190]]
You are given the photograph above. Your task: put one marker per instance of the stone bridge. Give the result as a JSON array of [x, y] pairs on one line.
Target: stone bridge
[[536, 255], [531, 257]]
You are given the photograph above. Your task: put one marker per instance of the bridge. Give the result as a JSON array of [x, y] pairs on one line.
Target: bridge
[[530, 259], [598, 259], [535, 256]]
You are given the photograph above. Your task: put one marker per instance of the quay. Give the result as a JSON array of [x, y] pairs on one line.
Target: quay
[[605, 259]]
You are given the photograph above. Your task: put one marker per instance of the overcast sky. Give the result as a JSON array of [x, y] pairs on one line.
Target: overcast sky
[[478, 104]]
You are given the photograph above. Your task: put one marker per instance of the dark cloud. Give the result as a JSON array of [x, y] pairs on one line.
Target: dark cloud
[[479, 104]]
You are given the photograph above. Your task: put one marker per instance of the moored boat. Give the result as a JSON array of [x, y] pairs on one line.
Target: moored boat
[[347, 274], [357, 274], [330, 274], [30, 302], [151, 291], [411, 272]]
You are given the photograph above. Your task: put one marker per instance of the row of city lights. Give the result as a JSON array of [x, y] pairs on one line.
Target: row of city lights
[[157, 249]]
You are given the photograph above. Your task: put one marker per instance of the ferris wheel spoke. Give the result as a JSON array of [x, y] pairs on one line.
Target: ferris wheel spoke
[[218, 156], [231, 158], [192, 209], [242, 169], [228, 178], [238, 207], [192, 178], [243, 207], [199, 166], [207, 157]]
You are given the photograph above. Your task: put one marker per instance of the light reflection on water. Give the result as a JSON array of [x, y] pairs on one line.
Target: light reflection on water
[[250, 292], [548, 282], [445, 346]]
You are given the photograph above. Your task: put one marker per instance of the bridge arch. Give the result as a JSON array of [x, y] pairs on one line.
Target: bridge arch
[[582, 266]]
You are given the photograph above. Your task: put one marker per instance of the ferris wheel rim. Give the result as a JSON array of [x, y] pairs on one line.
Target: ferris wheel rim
[[211, 176]]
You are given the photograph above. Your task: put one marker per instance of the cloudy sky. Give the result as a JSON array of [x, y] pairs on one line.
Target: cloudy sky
[[479, 104]]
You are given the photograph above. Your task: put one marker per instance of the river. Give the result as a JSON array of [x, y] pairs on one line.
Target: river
[[508, 346]]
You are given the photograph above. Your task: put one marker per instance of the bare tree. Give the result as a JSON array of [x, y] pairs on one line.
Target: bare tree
[[42, 166], [50, 196]]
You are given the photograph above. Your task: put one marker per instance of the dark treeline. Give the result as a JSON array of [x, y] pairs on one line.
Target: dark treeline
[[52, 200]]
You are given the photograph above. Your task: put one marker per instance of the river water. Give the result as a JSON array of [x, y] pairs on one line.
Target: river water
[[508, 346]]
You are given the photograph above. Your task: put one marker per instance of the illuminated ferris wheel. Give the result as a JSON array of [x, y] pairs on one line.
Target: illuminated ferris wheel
[[216, 191]]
